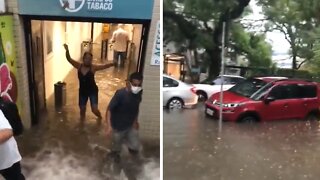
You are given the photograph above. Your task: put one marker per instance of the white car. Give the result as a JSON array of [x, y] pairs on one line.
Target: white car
[[177, 94], [206, 89]]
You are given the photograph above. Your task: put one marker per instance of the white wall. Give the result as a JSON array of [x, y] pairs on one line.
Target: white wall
[[56, 66], [150, 105], [136, 39], [97, 30]]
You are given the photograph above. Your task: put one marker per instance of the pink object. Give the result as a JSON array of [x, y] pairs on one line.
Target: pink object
[[5, 81]]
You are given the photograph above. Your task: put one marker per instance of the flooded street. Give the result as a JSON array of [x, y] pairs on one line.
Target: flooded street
[[194, 148], [62, 147]]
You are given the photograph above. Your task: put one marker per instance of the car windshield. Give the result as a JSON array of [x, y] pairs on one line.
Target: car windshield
[[248, 87], [217, 81]]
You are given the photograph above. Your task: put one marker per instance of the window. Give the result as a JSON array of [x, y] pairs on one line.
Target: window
[[235, 80], [259, 95], [294, 91], [217, 81], [308, 91], [167, 82], [226, 80], [291, 91]]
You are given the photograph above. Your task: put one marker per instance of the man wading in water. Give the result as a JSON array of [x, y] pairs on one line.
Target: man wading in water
[[88, 87], [122, 118]]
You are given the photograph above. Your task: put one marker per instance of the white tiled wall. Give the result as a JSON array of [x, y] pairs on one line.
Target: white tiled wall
[[22, 79], [150, 107]]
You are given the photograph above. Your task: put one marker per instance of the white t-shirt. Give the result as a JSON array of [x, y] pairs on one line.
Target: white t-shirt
[[121, 38], [9, 153]]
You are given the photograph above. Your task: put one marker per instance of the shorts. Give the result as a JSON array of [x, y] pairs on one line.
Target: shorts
[[83, 99], [130, 137]]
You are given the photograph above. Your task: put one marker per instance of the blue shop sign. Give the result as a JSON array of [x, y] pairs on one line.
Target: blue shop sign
[[120, 9]]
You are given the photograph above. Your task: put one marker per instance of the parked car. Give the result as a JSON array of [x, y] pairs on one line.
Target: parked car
[[207, 88], [265, 99], [177, 94]]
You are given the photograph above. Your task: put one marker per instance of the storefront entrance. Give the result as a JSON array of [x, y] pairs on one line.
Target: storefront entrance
[[47, 64]]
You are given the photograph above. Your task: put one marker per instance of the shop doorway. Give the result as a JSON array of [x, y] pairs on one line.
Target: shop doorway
[[48, 65]]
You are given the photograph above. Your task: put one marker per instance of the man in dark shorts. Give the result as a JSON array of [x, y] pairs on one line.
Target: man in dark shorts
[[88, 87], [122, 117]]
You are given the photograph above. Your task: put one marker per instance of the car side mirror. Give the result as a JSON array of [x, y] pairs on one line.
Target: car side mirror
[[269, 99]]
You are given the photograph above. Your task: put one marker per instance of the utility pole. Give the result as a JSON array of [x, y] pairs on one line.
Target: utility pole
[[221, 74]]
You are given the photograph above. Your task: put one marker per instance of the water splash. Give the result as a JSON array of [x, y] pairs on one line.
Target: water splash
[[56, 164]]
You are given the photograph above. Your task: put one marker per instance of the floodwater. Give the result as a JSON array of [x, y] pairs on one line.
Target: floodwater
[[62, 147], [194, 148]]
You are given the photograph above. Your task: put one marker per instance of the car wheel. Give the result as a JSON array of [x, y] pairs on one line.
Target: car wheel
[[175, 103], [202, 96], [249, 119], [312, 117]]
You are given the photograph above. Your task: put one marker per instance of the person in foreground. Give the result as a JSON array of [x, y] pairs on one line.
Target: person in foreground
[[88, 87], [10, 157], [122, 117]]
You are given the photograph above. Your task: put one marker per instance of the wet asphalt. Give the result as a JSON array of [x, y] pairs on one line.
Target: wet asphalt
[[195, 148]]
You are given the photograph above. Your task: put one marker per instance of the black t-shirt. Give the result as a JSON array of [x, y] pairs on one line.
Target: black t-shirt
[[124, 108]]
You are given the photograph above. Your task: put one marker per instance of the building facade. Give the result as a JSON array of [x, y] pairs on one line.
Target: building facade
[[27, 13]]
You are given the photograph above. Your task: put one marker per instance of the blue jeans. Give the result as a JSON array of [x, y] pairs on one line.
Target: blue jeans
[[83, 99], [130, 137], [116, 56]]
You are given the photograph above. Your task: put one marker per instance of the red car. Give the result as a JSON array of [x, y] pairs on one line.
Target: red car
[[267, 98]]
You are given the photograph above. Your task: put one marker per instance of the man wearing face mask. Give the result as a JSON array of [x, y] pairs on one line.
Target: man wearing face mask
[[122, 117]]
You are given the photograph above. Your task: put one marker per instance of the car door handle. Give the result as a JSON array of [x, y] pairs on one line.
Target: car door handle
[[286, 105]]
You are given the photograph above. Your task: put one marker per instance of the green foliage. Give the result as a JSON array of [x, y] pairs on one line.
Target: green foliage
[[253, 46], [197, 24], [297, 20]]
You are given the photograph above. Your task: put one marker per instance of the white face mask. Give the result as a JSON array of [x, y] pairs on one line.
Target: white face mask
[[135, 89]]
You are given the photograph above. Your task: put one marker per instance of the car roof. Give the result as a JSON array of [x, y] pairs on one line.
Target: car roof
[[235, 76], [296, 81], [171, 77], [281, 80], [270, 78], [168, 76]]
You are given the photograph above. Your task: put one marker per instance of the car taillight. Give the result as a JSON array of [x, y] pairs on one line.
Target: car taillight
[[193, 89]]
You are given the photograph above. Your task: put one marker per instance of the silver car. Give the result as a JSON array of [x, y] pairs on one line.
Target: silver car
[[177, 94]]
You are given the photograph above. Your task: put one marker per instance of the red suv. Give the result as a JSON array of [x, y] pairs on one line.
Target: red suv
[[265, 99]]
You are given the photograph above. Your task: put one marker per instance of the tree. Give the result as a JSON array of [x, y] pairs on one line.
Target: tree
[[202, 20], [296, 19], [251, 45], [198, 24]]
